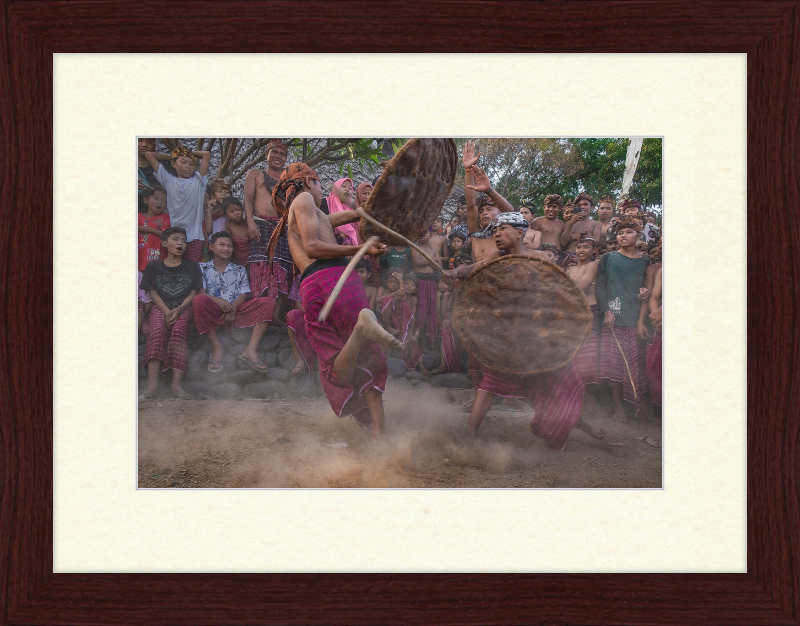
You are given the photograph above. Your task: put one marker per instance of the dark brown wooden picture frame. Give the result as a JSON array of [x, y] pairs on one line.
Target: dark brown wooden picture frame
[[768, 31]]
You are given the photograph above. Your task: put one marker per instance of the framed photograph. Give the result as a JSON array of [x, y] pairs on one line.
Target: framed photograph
[[70, 503]]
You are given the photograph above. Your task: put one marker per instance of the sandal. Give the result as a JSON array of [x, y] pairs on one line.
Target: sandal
[[214, 366], [256, 365], [183, 396], [298, 370], [145, 396]]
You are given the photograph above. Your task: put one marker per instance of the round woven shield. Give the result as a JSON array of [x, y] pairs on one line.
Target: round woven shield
[[412, 189], [521, 315]]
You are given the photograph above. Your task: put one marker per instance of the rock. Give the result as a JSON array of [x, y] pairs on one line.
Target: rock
[[424, 386], [198, 342], [245, 377], [285, 343], [142, 337], [415, 375], [266, 389], [397, 354], [452, 381], [225, 340], [141, 351], [270, 359], [269, 342], [402, 383], [397, 367], [461, 395], [414, 382], [301, 386], [197, 361], [199, 391], [286, 358], [271, 330], [237, 349], [431, 361], [277, 373], [241, 335], [226, 390], [282, 330], [215, 378]]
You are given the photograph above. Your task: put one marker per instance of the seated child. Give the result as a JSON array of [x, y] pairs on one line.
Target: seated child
[[172, 282], [364, 269], [395, 314], [186, 194], [456, 247], [236, 225], [151, 224], [223, 300]]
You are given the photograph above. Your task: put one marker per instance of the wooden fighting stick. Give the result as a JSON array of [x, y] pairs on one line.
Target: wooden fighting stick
[[347, 271], [626, 363]]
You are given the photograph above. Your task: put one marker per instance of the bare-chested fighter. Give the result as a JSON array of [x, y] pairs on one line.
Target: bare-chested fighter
[[549, 225], [557, 397], [352, 366], [605, 209], [271, 282], [579, 224], [480, 214]]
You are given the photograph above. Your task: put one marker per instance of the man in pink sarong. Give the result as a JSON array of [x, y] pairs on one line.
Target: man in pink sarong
[[427, 290], [341, 199], [352, 366]]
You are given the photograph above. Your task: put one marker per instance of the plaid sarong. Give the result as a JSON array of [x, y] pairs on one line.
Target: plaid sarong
[[241, 247], [451, 347], [296, 321], [401, 315], [328, 338], [267, 282], [557, 398], [588, 359], [194, 251], [208, 315], [257, 251], [612, 366], [653, 368], [168, 345]]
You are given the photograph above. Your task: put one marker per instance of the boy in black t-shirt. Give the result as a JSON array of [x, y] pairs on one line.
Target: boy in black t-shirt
[[172, 283]]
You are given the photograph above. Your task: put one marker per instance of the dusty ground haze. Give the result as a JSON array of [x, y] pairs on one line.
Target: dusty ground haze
[[299, 443]]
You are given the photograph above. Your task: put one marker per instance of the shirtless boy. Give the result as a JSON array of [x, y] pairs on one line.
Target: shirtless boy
[[549, 225], [236, 225], [557, 397], [352, 366], [439, 243], [533, 238], [579, 224]]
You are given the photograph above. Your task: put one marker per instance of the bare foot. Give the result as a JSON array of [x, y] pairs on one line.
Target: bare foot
[[597, 433], [368, 326], [218, 353], [179, 393]]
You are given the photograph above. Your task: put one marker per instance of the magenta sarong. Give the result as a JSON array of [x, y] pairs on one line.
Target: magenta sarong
[[588, 359], [557, 399], [427, 289], [328, 338], [401, 318], [653, 368], [451, 347]]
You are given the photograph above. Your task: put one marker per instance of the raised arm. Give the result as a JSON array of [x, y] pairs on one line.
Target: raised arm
[[305, 215], [484, 185], [469, 160], [566, 234], [205, 161], [153, 159]]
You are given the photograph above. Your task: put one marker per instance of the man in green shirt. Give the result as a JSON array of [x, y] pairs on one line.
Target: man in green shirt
[[621, 296]]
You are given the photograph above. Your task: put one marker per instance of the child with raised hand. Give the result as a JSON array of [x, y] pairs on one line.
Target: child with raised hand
[[172, 282], [236, 225], [151, 224], [215, 218], [185, 193]]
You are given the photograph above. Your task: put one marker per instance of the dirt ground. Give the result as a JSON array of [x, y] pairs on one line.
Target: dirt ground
[[300, 443]]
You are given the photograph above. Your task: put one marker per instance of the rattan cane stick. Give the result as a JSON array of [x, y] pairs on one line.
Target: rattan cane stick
[[347, 271], [375, 222]]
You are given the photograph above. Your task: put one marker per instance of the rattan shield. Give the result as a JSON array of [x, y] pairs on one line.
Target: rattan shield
[[411, 191], [521, 315]]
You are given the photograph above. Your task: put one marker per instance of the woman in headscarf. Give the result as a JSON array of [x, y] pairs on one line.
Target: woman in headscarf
[[362, 193], [341, 199]]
